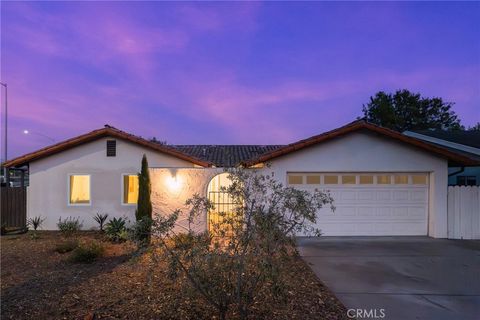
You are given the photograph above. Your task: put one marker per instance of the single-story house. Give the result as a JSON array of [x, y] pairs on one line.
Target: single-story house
[[466, 142], [383, 182]]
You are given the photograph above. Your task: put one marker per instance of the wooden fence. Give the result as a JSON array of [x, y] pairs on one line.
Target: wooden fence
[[13, 207], [464, 212]]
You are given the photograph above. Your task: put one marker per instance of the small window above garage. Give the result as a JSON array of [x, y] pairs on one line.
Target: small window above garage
[[111, 148]]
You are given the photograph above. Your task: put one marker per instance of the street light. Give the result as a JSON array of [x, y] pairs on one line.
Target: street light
[[5, 134], [38, 134]]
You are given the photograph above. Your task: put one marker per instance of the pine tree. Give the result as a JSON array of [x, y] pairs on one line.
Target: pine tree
[[144, 207]]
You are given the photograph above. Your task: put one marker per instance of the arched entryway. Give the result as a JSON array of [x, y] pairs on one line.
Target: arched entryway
[[221, 200]]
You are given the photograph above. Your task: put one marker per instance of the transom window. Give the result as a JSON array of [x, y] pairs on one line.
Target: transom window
[[361, 179], [130, 189], [79, 189]]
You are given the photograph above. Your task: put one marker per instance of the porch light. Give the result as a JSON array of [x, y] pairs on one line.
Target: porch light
[[174, 183]]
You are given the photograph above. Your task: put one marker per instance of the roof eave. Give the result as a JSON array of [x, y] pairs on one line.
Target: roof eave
[[355, 126], [97, 134]]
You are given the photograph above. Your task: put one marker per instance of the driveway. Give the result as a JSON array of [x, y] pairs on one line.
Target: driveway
[[408, 277]]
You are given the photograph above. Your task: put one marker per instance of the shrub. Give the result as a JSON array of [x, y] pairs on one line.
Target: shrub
[[87, 253], [66, 246], [35, 222], [116, 230], [100, 219], [69, 226], [140, 231], [251, 244], [144, 206]]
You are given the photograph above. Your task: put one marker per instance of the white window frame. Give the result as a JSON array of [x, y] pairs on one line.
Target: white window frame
[[89, 204], [122, 190]]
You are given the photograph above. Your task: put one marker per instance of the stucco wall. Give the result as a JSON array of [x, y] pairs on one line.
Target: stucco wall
[[366, 152], [48, 190], [172, 187], [357, 152]]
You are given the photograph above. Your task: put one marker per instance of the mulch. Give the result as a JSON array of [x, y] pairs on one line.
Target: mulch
[[39, 283]]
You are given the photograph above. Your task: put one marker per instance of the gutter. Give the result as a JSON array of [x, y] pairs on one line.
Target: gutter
[[457, 172]]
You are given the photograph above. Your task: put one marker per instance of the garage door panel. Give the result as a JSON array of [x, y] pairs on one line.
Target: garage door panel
[[400, 195], [366, 195], [366, 211], [417, 212], [400, 212], [348, 195], [418, 195], [384, 195], [399, 207], [384, 212]]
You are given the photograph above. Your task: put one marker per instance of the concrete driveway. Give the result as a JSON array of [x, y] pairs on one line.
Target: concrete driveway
[[408, 277]]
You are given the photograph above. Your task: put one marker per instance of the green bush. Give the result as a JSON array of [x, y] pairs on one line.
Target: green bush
[[141, 231], [66, 246], [116, 230], [87, 253], [69, 226]]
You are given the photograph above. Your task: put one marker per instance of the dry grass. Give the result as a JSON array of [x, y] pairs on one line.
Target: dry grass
[[40, 283]]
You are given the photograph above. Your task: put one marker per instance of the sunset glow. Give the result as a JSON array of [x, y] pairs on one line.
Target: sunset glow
[[227, 73]]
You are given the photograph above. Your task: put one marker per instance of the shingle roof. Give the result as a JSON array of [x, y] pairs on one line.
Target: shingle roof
[[226, 155], [467, 138]]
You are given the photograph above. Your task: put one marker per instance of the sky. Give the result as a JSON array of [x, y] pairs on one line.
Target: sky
[[227, 73]]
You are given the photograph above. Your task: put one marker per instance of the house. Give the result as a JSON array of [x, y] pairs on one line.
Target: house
[[466, 142], [383, 182]]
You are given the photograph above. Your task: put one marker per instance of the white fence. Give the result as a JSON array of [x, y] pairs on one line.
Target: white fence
[[463, 212]]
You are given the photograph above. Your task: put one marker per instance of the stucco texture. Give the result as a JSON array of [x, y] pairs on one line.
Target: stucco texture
[[47, 194], [172, 187]]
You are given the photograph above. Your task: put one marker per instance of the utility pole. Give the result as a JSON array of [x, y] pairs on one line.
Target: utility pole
[[5, 134]]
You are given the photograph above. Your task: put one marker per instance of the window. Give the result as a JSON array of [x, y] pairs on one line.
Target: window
[[466, 180], [79, 189], [348, 179], [331, 179], [366, 179], [313, 179], [419, 179], [111, 148], [383, 179], [401, 179], [130, 189], [293, 179]]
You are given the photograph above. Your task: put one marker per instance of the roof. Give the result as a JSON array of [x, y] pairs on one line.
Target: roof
[[359, 125], [226, 155], [107, 131], [467, 138], [248, 155]]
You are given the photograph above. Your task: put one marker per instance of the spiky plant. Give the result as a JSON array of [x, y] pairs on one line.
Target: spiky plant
[[100, 219], [35, 222]]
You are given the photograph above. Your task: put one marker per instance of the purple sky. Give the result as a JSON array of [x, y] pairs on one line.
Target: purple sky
[[227, 73]]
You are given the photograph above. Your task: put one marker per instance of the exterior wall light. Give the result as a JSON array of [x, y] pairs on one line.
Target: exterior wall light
[[174, 183]]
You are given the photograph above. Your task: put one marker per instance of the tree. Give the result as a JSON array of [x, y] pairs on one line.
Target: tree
[[144, 204], [409, 111], [251, 244], [476, 127]]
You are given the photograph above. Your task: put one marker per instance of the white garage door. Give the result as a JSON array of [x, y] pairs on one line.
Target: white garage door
[[367, 204]]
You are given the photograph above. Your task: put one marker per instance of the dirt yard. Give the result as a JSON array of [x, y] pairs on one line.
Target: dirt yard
[[39, 283]]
